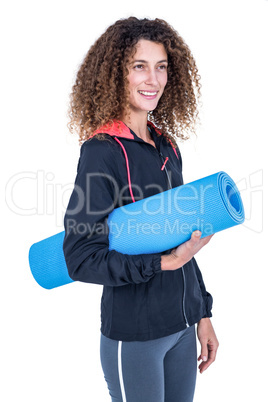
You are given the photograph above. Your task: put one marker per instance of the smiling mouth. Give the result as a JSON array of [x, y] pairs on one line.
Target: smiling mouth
[[147, 93]]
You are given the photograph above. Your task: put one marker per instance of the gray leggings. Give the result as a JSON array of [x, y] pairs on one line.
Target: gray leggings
[[161, 370]]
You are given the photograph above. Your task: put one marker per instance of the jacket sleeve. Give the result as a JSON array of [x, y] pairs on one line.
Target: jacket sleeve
[[86, 242], [208, 300]]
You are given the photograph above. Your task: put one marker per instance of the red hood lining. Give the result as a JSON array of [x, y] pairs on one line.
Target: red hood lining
[[118, 129]]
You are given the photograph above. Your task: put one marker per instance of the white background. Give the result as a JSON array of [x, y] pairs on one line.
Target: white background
[[50, 339]]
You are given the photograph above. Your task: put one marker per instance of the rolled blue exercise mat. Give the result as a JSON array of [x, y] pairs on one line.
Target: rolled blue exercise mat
[[152, 225], [47, 262]]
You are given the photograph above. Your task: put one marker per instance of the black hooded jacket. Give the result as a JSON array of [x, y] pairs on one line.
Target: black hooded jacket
[[139, 302]]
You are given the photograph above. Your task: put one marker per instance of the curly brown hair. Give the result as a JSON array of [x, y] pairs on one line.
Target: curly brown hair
[[100, 92]]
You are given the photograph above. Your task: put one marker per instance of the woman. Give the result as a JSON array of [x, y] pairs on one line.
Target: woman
[[136, 92]]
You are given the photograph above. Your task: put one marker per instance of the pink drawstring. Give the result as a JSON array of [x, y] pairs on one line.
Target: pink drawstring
[[127, 164], [163, 167], [173, 148], [175, 152], [128, 172]]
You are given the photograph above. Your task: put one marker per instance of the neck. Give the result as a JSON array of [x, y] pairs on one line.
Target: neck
[[138, 124]]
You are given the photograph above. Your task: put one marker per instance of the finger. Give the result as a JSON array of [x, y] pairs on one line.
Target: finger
[[195, 238], [196, 235], [206, 239], [203, 358], [205, 364], [204, 351], [212, 356]]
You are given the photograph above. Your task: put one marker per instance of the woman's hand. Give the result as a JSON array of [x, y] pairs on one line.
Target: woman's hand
[[209, 343], [184, 252]]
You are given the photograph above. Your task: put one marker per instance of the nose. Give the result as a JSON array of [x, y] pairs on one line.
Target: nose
[[151, 78]]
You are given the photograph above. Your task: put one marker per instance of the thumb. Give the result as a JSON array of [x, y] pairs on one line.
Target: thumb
[[204, 352], [195, 236]]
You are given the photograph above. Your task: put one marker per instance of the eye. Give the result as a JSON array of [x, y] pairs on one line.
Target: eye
[[162, 67], [138, 66]]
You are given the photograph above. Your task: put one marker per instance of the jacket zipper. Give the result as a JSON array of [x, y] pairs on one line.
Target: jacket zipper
[[164, 160], [183, 297], [182, 268]]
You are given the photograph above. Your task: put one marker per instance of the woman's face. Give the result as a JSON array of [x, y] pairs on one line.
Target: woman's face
[[147, 76]]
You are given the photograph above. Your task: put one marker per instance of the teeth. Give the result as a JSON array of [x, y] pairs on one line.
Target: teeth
[[148, 93]]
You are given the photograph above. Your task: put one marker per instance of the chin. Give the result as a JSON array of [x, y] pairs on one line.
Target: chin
[[149, 108]]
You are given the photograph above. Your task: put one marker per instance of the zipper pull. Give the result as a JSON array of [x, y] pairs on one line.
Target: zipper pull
[[163, 167]]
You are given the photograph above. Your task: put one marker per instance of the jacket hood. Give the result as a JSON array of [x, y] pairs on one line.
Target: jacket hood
[[119, 129]]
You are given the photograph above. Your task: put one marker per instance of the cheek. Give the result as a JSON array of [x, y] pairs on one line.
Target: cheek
[[133, 81], [163, 83], [165, 80]]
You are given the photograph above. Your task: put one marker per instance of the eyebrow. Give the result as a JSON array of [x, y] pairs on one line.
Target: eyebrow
[[145, 61]]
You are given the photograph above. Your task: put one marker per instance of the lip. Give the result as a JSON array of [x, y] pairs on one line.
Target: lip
[[147, 96]]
